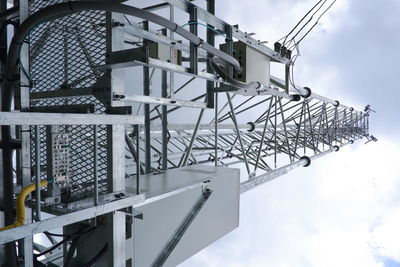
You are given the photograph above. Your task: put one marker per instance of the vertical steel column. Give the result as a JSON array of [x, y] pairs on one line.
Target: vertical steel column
[[210, 84], [3, 60], [171, 35], [287, 78], [25, 153], [95, 164], [5, 185], [229, 49], [275, 133], [164, 120], [50, 130], [216, 129], [146, 91], [116, 238], [193, 48], [8, 185], [137, 133], [116, 183], [211, 41], [171, 80], [37, 173], [229, 70]]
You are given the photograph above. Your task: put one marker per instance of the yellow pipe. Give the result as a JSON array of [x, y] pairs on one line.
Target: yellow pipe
[[21, 205]]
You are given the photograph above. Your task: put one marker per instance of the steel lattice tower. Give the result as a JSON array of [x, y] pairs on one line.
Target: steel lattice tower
[[141, 123], [283, 135]]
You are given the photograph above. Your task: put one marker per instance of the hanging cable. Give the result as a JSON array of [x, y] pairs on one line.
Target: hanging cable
[[294, 59], [283, 48], [300, 21], [67, 237], [315, 24], [305, 24], [285, 51]]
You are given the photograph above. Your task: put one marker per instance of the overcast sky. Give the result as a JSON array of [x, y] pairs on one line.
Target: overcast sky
[[344, 209]]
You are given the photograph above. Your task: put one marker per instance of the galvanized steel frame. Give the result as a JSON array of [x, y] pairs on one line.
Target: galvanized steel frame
[[284, 134]]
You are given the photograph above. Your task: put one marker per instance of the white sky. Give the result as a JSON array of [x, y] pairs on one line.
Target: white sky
[[341, 211], [344, 209]]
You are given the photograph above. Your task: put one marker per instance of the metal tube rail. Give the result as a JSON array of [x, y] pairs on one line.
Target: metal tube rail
[[305, 91], [37, 173], [95, 165], [261, 179]]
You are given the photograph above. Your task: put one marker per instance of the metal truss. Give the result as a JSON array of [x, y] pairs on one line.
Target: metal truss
[[281, 132], [72, 79]]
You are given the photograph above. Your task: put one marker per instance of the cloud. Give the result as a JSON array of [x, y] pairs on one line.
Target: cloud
[[341, 211], [344, 209], [385, 236]]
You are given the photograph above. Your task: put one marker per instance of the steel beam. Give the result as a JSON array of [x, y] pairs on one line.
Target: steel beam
[[36, 118], [193, 48], [146, 92], [164, 119]]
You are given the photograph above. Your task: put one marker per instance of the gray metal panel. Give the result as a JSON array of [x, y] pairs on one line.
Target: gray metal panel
[[219, 216]]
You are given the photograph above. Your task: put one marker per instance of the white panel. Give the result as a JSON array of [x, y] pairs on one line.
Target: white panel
[[219, 216], [257, 66]]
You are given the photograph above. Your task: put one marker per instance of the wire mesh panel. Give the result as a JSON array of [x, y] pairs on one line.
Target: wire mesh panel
[[64, 54]]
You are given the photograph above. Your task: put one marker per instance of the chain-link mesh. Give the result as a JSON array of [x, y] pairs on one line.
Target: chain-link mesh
[[64, 54]]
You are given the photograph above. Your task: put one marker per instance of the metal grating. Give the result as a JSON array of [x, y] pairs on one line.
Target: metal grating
[[63, 55]]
